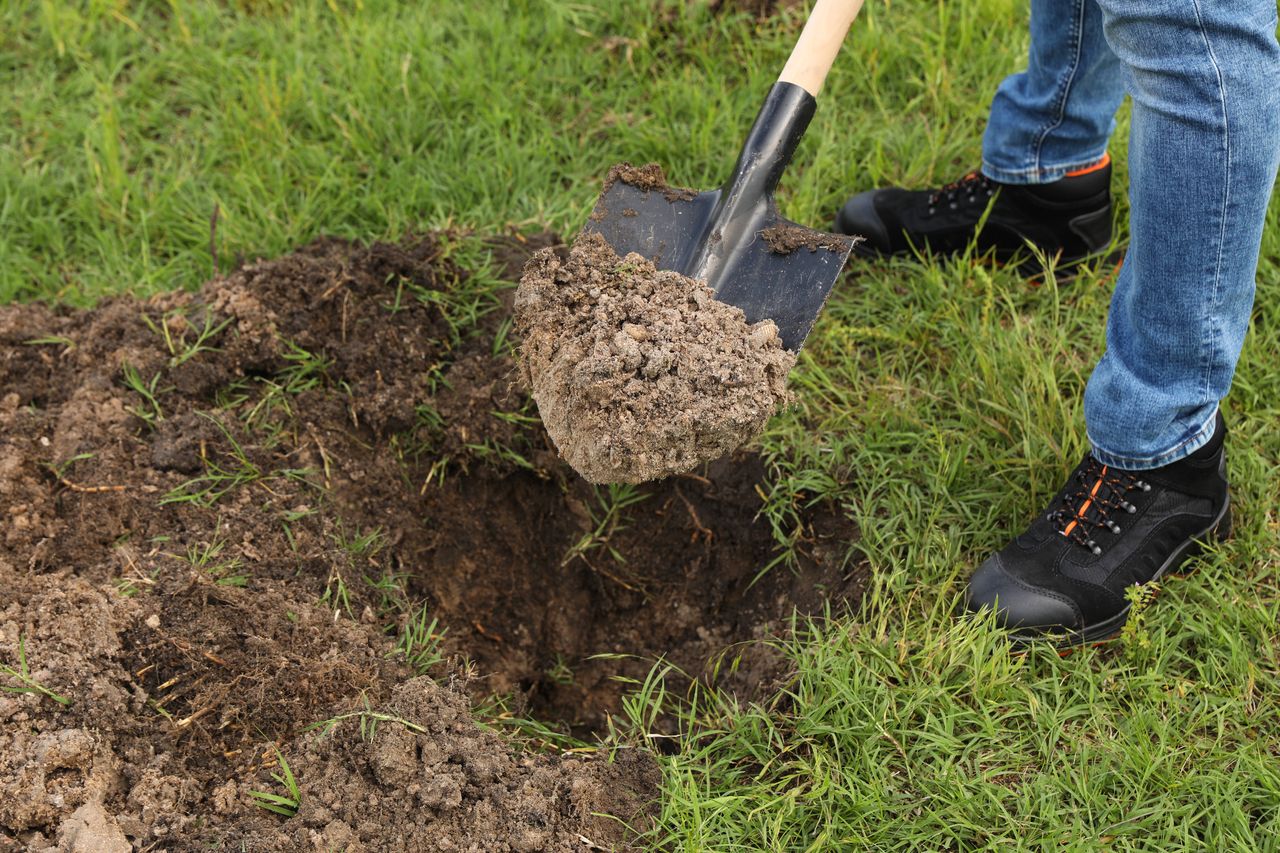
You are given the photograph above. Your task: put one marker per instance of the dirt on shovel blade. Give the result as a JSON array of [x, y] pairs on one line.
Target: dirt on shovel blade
[[239, 526], [641, 373]]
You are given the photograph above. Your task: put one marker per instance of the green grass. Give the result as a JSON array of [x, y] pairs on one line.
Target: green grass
[[939, 404], [131, 124], [285, 805], [25, 682]]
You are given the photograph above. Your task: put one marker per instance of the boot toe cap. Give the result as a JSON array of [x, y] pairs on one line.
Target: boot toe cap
[[1018, 605], [860, 218]]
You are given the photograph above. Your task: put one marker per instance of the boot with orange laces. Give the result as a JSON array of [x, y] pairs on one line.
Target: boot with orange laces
[[1069, 220], [1107, 530]]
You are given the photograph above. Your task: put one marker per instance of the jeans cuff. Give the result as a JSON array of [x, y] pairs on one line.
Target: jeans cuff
[[1180, 451], [1038, 174]]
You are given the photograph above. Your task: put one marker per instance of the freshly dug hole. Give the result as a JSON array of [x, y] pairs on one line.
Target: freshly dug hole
[[381, 467], [640, 373]]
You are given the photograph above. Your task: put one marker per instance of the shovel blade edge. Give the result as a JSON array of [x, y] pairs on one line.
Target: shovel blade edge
[[781, 271]]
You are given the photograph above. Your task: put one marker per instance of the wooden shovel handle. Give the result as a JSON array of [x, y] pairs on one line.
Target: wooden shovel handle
[[819, 43]]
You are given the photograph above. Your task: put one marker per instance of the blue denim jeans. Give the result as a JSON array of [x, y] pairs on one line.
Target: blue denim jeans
[[1204, 77]]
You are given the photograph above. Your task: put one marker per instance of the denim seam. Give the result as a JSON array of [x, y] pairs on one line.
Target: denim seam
[[1064, 88], [1208, 318], [1181, 450]]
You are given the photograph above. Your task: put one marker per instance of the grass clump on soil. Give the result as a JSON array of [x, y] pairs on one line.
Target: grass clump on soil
[[281, 804], [22, 675]]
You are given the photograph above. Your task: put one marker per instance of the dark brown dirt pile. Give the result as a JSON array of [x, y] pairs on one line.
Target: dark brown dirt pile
[[641, 373], [222, 513]]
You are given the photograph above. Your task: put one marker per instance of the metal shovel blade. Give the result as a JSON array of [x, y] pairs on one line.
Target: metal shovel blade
[[733, 238]]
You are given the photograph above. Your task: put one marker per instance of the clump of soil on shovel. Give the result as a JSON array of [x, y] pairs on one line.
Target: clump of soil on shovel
[[641, 373], [238, 526]]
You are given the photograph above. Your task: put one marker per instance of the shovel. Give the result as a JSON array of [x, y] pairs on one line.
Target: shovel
[[732, 238]]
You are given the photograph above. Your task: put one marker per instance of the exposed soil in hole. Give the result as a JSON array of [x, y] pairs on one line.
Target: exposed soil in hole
[[222, 512]]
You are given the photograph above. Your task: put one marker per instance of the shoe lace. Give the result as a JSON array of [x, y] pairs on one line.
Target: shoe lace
[[971, 186], [1100, 491]]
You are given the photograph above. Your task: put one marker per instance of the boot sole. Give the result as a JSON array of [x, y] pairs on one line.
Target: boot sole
[[1108, 629]]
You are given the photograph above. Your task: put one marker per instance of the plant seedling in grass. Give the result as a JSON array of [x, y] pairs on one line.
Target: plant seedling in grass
[[221, 477], [496, 713], [23, 676], [368, 719], [420, 641], [150, 411], [560, 672], [356, 545], [495, 452], [61, 469], [392, 598], [128, 587], [274, 410], [287, 520], [173, 329], [205, 556], [51, 340], [218, 479], [305, 370], [288, 805], [502, 344], [232, 395], [336, 595], [606, 521], [1134, 634], [466, 290]]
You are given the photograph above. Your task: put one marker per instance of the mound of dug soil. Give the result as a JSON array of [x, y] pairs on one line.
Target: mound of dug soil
[[237, 526], [641, 373]]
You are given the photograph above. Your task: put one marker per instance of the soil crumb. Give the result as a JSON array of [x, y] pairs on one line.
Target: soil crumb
[[785, 239], [648, 177], [641, 373]]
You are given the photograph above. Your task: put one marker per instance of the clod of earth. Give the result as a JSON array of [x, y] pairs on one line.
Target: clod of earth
[[785, 239], [647, 177], [641, 373]]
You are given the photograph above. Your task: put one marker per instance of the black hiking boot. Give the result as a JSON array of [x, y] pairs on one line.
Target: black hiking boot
[[1108, 529], [1069, 219]]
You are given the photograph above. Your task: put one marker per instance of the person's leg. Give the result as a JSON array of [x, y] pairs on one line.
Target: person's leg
[[1205, 80], [1204, 146], [1057, 115], [1043, 179]]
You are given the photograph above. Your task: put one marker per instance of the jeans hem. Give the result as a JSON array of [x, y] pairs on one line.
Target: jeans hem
[[1178, 452], [1038, 174]]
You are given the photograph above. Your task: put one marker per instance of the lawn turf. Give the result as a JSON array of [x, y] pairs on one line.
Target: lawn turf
[[939, 403]]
